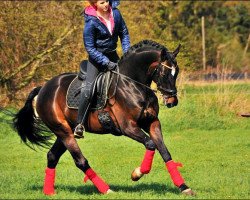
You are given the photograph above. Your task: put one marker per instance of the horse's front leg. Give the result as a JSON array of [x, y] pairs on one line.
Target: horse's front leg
[[172, 167], [147, 161], [134, 132]]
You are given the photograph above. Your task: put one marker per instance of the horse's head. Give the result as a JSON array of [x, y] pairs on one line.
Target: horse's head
[[165, 77], [149, 61]]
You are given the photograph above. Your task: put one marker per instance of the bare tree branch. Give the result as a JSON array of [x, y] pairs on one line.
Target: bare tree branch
[[35, 62]]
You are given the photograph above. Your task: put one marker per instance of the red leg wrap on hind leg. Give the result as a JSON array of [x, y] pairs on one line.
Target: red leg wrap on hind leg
[[147, 162], [97, 181], [174, 173], [49, 181]]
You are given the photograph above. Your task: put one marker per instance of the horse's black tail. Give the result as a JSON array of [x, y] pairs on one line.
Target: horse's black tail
[[26, 124]]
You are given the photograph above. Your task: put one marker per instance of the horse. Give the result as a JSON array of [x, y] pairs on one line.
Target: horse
[[132, 106]]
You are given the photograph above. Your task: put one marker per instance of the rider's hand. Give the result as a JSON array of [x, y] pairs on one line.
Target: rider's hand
[[111, 65]]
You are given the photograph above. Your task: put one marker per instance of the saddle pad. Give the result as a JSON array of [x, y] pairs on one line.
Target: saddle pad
[[73, 94]]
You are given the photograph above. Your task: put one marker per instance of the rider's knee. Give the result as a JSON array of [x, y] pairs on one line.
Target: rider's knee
[[150, 145], [88, 91], [87, 94]]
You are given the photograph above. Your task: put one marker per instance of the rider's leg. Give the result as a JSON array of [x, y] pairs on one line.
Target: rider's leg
[[86, 94]]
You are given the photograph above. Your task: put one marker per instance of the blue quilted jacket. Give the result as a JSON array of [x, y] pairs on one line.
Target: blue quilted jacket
[[98, 40]]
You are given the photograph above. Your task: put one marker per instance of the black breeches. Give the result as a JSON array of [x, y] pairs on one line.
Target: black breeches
[[93, 71]]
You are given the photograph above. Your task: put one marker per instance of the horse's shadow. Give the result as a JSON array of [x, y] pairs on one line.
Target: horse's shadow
[[91, 189]]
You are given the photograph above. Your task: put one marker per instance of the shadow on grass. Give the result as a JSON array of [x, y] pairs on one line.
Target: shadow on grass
[[91, 189]]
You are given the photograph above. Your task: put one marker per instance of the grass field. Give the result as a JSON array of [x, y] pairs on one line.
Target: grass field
[[203, 132]]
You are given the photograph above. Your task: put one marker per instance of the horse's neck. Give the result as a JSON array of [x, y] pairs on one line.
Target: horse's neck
[[137, 65]]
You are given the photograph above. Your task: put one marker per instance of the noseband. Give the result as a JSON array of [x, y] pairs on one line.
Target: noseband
[[171, 93]]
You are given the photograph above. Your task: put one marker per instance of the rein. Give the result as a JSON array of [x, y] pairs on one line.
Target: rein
[[126, 77], [146, 86]]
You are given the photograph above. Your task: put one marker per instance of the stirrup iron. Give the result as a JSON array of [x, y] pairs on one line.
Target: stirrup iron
[[79, 130]]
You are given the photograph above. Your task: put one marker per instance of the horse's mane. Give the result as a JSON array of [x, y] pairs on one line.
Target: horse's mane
[[141, 44]]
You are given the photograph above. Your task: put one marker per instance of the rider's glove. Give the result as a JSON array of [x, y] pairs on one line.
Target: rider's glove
[[111, 65]]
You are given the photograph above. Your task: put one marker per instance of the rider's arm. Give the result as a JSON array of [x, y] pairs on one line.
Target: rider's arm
[[89, 42], [123, 34]]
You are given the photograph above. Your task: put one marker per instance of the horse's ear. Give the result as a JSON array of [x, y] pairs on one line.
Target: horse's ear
[[176, 51]]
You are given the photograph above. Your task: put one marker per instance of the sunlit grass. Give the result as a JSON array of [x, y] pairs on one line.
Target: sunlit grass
[[212, 144], [216, 165]]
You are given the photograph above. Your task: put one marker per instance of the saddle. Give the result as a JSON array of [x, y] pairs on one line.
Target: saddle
[[99, 98], [100, 90]]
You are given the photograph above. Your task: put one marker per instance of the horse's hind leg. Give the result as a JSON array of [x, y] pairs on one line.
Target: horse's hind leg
[[53, 157], [64, 131]]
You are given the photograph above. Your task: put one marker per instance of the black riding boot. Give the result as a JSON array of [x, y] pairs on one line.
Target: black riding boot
[[82, 113], [86, 95]]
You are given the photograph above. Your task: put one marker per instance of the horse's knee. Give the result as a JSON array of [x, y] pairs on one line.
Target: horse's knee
[[82, 164], [150, 145]]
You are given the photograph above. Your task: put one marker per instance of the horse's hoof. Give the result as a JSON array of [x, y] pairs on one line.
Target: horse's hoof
[[110, 191], [136, 174], [188, 192]]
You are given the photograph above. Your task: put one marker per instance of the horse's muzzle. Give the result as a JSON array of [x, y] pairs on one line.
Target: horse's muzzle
[[170, 101]]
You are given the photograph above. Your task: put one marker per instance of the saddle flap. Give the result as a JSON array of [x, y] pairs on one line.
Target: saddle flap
[[102, 87]]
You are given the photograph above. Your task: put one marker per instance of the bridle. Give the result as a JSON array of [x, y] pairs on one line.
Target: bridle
[[171, 93]]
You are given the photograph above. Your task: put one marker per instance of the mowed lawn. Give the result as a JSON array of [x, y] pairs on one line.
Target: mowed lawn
[[213, 147]]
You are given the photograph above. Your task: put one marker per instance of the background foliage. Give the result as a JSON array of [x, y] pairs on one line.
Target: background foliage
[[40, 39]]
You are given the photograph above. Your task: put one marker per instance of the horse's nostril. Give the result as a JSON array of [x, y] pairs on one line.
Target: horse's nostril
[[170, 105]]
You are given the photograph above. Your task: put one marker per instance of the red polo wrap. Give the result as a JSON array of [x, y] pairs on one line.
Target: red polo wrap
[[147, 161], [174, 173], [49, 181], [96, 180]]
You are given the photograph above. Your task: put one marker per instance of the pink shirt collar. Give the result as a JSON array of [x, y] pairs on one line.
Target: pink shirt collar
[[91, 10]]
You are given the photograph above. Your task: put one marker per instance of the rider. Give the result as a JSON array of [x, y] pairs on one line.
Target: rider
[[103, 25]]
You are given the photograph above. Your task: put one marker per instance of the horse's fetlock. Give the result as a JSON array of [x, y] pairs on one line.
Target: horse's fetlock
[[82, 164], [51, 157], [150, 145], [52, 160]]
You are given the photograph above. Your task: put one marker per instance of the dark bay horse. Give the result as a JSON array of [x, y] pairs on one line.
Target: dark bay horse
[[133, 108]]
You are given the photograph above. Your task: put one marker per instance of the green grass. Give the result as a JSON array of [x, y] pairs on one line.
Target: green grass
[[212, 144]]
